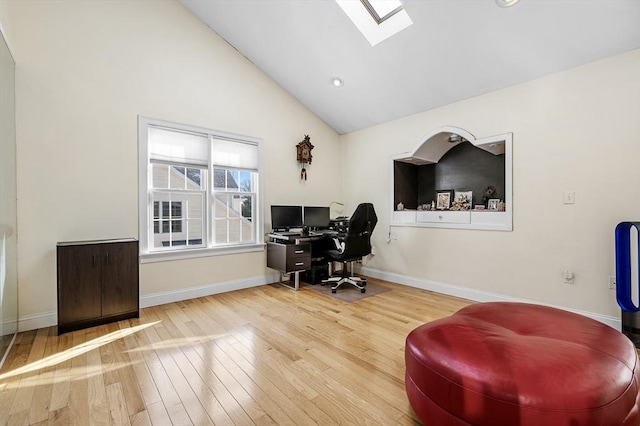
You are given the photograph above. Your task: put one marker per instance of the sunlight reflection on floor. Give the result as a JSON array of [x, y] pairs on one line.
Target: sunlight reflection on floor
[[177, 343], [75, 351]]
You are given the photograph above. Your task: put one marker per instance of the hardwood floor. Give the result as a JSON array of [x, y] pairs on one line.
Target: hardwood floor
[[265, 355]]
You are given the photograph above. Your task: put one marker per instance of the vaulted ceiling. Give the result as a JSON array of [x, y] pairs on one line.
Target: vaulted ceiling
[[455, 49]]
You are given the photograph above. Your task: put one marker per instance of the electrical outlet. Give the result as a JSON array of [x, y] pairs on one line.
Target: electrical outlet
[[612, 282], [569, 197], [568, 276]]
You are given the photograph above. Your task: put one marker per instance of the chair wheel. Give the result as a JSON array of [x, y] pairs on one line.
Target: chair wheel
[[362, 290], [333, 290]]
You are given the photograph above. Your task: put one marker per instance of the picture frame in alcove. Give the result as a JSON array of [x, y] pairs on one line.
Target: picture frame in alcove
[[444, 197], [493, 204], [464, 199]]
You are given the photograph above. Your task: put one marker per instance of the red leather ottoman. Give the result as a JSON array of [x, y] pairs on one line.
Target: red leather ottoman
[[509, 364]]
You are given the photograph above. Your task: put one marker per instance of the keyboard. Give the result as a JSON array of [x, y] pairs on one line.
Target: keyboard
[[289, 234]]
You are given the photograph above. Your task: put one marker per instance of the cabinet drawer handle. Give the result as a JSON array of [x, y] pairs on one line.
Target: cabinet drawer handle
[[94, 260], [440, 217], [107, 258], [299, 263], [299, 251]]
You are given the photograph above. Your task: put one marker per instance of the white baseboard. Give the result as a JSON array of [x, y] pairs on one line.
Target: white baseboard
[[47, 319], [207, 290], [35, 321], [8, 324], [475, 295]]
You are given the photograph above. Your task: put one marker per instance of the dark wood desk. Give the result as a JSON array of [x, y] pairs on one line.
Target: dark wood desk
[[292, 254]]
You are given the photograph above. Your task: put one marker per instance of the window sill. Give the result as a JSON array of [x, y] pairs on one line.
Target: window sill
[[201, 252]]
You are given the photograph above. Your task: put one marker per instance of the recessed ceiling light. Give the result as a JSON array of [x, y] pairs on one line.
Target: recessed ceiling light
[[336, 81], [506, 3]]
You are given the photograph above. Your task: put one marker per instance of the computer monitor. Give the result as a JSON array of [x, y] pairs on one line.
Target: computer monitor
[[316, 217], [284, 218]]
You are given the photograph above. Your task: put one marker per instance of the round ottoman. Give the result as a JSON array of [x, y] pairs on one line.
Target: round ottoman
[[515, 364]]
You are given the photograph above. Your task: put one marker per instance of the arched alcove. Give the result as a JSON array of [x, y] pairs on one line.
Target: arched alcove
[[451, 160]]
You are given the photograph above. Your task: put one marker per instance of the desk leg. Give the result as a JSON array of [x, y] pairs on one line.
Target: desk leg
[[296, 281]]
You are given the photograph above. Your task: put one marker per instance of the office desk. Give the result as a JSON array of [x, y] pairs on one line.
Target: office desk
[[294, 254]]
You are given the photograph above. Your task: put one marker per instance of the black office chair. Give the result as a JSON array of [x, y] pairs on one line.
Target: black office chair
[[355, 245]]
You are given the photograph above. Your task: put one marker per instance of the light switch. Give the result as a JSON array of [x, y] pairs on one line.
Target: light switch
[[569, 197]]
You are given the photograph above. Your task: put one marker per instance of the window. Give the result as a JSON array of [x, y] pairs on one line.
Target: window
[[167, 216], [234, 201], [199, 191], [377, 20]]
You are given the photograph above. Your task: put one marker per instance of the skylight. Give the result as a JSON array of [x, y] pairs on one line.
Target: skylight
[[381, 10], [377, 20]]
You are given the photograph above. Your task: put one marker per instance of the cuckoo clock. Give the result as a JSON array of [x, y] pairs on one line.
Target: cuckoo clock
[[304, 155]]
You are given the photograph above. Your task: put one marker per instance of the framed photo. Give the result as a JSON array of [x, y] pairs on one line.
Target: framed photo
[[444, 198], [463, 200], [492, 204]]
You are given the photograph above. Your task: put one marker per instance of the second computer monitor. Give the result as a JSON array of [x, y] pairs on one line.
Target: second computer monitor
[[316, 217]]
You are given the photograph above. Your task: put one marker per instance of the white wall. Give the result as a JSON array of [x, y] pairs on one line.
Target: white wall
[[85, 71], [578, 130], [8, 197]]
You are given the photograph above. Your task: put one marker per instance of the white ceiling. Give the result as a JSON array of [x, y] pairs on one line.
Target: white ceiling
[[456, 49]]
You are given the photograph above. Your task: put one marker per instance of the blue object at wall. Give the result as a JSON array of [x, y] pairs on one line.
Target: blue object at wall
[[623, 265]]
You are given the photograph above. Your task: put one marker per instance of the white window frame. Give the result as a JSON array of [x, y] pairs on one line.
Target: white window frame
[[145, 209]]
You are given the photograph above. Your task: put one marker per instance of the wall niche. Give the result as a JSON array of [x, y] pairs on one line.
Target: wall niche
[[451, 158]]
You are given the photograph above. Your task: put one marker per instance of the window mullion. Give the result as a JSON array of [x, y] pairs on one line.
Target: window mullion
[[211, 199], [229, 208], [185, 221]]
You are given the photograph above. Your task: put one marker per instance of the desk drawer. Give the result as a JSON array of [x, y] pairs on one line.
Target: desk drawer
[[288, 257], [444, 216], [298, 263], [298, 250]]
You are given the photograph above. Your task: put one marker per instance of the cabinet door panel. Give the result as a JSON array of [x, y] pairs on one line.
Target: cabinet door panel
[[119, 278], [79, 281]]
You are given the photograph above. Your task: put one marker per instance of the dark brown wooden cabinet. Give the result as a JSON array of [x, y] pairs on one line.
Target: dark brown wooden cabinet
[[97, 283]]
